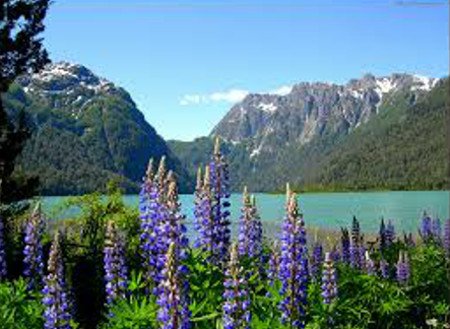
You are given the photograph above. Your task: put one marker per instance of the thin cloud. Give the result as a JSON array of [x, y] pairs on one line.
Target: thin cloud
[[231, 96]]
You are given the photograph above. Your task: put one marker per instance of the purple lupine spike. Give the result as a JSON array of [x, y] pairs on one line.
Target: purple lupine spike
[[220, 204], [204, 217], [172, 229], [390, 233], [316, 260], [153, 213], [355, 257], [403, 271], [33, 253], [236, 306], [426, 228], [3, 268], [370, 264], [345, 243], [362, 254], [256, 231], [382, 235], [114, 265], [436, 229], [173, 312], [250, 228], [447, 237], [329, 285], [56, 314], [293, 272], [274, 264], [335, 255], [384, 268]]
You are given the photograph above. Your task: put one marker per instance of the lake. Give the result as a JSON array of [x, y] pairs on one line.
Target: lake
[[329, 210]]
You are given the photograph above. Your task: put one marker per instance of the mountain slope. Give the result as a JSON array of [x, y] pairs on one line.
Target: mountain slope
[[85, 132], [316, 135]]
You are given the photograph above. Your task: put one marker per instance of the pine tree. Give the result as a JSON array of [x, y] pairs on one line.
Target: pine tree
[[21, 51]]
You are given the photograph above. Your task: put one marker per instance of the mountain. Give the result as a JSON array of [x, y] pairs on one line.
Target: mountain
[[85, 131], [364, 134]]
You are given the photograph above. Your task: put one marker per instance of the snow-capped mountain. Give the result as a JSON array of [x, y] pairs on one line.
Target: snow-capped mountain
[[86, 130], [314, 109]]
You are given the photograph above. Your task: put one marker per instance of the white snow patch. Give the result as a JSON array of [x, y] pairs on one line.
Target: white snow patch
[[255, 152], [384, 85], [357, 93], [268, 107], [423, 83]]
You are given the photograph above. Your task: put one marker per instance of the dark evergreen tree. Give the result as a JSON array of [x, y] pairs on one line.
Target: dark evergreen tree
[[21, 51]]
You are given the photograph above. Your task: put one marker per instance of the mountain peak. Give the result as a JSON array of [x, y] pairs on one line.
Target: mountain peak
[[62, 77]]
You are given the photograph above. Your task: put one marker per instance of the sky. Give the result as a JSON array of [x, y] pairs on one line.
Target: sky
[[186, 63]]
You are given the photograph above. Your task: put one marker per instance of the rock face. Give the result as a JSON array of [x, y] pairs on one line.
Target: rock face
[[86, 131], [312, 110], [374, 132]]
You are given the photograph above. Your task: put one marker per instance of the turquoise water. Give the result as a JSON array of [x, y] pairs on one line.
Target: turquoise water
[[330, 210]]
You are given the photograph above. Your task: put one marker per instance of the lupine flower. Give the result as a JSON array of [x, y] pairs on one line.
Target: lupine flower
[[447, 237], [172, 299], [384, 268], [316, 260], [390, 233], [3, 269], [436, 228], [355, 250], [33, 253], [293, 266], [220, 204], [152, 214], [56, 314], [114, 264], [274, 264], [345, 243], [362, 254], [382, 235], [334, 254], [250, 228], [204, 221], [329, 286], [426, 228], [212, 214], [236, 306], [370, 264], [403, 271]]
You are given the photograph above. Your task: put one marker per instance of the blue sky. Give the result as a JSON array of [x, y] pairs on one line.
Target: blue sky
[[186, 63]]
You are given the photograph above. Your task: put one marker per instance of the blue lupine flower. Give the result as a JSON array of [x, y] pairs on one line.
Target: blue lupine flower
[[293, 266], [212, 214], [436, 229], [384, 268], [220, 204], [334, 254], [33, 253], [355, 259], [114, 264], [274, 264], [329, 285], [345, 243], [447, 237], [316, 260], [403, 270], [236, 306], [152, 213], [172, 299], [3, 268], [362, 254], [390, 233], [250, 228], [56, 314], [426, 228]]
